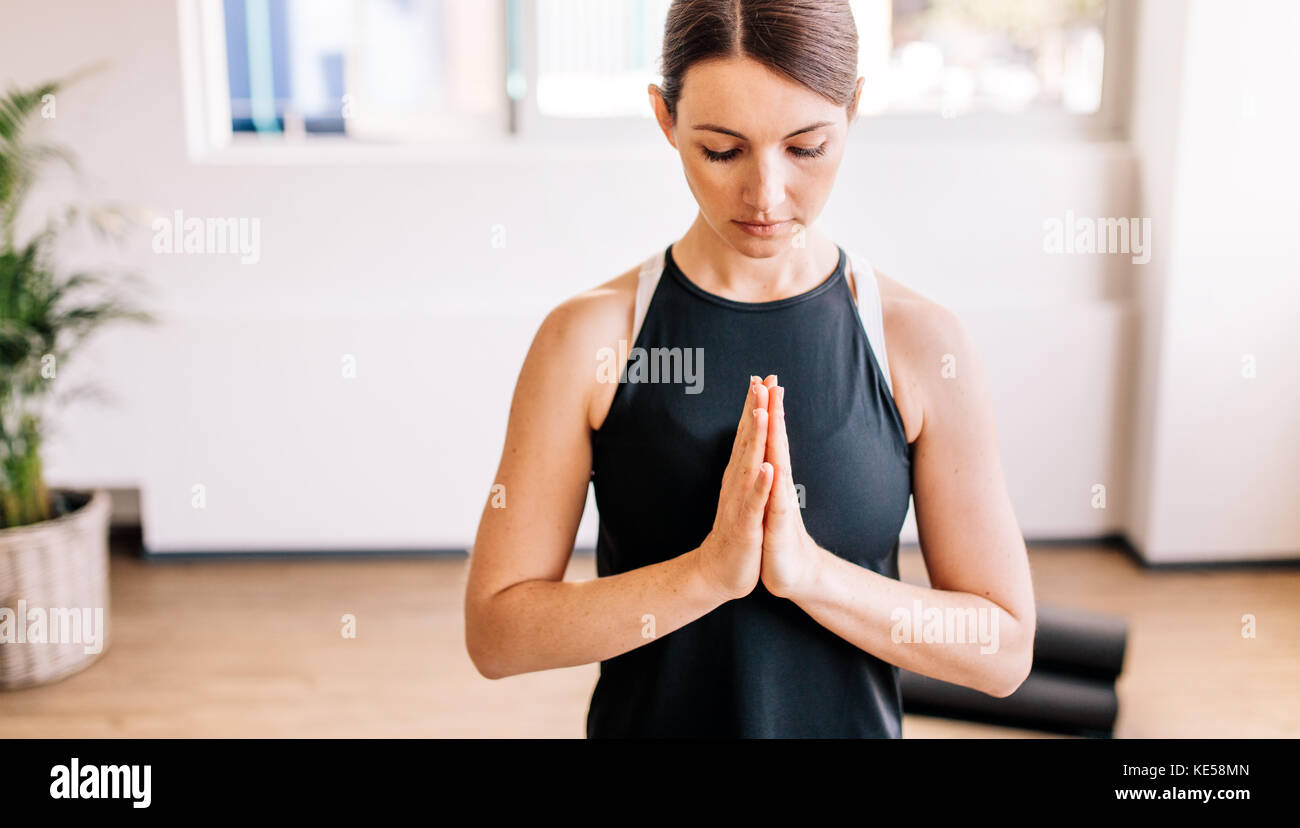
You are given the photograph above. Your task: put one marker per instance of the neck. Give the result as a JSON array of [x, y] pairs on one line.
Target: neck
[[758, 271]]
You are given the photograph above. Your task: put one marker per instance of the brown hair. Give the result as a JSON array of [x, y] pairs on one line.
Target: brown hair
[[812, 42]]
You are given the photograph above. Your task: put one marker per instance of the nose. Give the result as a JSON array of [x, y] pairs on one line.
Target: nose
[[765, 185]]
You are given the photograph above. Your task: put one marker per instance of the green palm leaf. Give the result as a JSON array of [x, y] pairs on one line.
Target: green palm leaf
[[45, 316]]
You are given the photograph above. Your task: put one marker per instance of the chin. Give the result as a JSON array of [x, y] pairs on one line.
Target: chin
[[760, 246]]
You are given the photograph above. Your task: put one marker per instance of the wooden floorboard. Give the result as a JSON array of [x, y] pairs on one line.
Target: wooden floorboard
[[252, 648]]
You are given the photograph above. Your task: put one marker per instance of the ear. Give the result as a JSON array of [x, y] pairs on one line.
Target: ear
[[661, 113], [857, 97]]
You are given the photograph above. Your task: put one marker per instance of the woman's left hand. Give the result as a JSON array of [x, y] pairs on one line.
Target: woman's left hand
[[790, 556]]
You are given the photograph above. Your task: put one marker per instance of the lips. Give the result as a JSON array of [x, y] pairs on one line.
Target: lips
[[763, 231]]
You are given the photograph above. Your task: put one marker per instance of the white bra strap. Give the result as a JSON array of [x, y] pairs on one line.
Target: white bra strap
[[651, 269], [870, 310]]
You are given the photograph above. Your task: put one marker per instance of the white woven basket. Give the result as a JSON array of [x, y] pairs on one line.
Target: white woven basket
[[61, 563]]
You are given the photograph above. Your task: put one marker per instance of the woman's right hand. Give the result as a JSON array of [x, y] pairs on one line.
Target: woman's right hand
[[731, 557]]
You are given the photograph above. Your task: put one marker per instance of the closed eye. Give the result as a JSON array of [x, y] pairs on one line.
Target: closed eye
[[720, 156], [800, 152], [810, 152]]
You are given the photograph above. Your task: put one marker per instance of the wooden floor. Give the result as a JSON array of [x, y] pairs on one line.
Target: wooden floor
[[252, 648]]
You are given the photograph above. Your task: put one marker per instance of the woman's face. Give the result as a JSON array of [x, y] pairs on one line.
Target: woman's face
[[757, 148]]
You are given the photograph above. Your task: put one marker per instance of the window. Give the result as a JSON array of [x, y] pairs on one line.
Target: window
[[380, 69], [465, 71], [596, 57], [940, 57], [285, 70], [953, 57]]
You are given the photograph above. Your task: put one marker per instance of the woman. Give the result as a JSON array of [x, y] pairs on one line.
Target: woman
[[747, 553]]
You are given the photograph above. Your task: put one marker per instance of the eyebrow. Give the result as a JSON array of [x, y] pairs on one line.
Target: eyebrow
[[725, 131]]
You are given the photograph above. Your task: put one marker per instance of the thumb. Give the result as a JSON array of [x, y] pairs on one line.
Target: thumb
[[779, 498], [756, 499]]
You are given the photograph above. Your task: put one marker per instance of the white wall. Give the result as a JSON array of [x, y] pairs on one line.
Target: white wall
[[1216, 128], [390, 260]]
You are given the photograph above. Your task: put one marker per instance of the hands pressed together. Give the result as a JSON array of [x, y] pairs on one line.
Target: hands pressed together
[[758, 533]]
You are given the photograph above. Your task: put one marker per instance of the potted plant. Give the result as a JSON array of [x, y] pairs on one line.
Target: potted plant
[[53, 542]]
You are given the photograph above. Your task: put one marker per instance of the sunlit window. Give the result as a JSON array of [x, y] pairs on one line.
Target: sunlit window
[[369, 68], [957, 56], [946, 57], [286, 72], [595, 57], [401, 70]]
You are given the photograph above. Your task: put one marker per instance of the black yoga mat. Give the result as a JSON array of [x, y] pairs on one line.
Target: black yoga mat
[[1083, 643], [1078, 655], [1045, 701]]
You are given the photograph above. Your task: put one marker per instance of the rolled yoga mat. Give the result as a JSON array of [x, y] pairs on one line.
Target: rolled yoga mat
[[1078, 655], [1046, 701], [1088, 644]]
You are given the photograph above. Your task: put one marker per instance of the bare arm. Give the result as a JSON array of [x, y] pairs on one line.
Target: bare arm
[[520, 615], [981, 602]]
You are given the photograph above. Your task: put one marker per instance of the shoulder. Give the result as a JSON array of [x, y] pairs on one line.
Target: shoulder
[[915, 318], [928, 344], [570, 340], [594, 314]]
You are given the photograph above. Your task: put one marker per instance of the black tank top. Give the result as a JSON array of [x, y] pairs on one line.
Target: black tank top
[[757, 666]]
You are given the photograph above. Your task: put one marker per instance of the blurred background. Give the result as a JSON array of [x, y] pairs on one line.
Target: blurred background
[[418, 182]]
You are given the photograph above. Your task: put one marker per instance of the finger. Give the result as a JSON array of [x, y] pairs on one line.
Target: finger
[[756, 448], [750, 445], [762, 398], [749, 403], [756, 499], [744, 426], [772, 385], [778, 439]]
